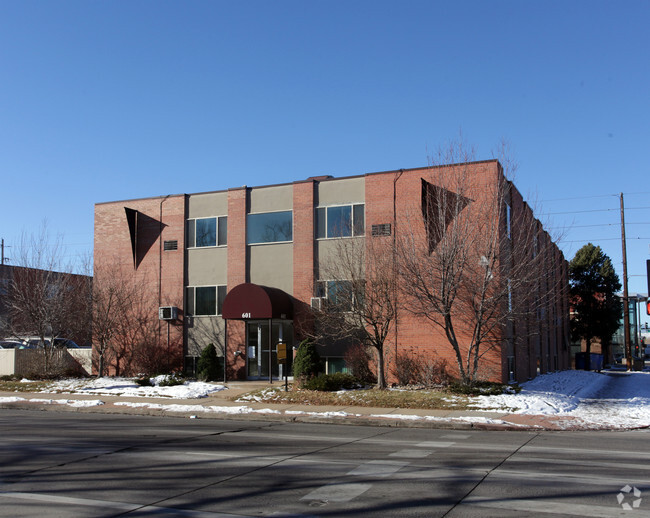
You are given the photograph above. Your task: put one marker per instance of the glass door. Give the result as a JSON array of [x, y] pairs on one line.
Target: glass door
[[257, 347]]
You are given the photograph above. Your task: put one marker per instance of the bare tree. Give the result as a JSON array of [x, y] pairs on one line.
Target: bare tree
[[46, 299], [464, 265], [114, 294], [359, 281]]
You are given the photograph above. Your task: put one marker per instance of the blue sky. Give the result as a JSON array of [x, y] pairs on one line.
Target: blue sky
[[103, 101]]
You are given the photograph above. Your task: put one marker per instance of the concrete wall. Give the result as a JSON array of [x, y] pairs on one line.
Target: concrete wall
[[7, 362]]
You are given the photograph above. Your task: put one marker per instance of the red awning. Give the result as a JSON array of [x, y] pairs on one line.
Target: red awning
[[252, 301]]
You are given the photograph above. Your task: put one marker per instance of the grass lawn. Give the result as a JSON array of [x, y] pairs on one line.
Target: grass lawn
[[389, 398]]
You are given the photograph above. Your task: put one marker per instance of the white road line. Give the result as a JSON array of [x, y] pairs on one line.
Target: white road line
[[117, 506], [411, 454], [337, 492], [456, 436], [549, 507], [377, 468], [435, 444]]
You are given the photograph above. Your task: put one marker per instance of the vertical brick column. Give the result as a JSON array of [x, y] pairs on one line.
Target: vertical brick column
[[303, 252], [237, 274]]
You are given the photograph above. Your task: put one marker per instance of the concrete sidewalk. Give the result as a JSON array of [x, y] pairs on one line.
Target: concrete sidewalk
[[223, 405]]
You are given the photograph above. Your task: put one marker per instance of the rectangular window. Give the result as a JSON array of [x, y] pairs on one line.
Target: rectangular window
[[269, 227], [206, 232], [222, 237], [205, 300], [508, 220], [340, 221], [340, 295]]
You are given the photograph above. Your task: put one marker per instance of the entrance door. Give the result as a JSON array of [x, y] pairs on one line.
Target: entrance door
[[257, 347]]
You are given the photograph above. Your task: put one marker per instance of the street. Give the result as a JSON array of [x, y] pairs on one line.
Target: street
[[78, 464]]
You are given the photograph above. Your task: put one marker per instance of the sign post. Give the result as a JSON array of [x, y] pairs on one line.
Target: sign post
[[282, 360]]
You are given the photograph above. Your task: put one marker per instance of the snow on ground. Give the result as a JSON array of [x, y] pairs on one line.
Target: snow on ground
[[612, 399], [129, 388]]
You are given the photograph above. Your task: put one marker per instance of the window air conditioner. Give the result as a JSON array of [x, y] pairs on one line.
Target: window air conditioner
[[317, 303], [168, 313]]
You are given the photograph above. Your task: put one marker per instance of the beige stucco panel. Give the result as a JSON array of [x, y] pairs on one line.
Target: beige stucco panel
[[339, 192], [207, 205], [207, 266], [272, 265], [203, 331], [271, 199], [327, 251]]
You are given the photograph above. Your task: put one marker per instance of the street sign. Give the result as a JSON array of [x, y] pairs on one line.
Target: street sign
[[282, 353]]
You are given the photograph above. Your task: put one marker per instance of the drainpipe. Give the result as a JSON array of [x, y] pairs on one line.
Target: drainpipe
[[397, 177], [160, 252]]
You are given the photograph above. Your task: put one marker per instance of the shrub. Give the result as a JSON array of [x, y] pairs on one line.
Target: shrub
[[169, 380], [144, 381], [307, 362], [208, 364], [358, 360], [410, 370], [482, 388], [332, 382]]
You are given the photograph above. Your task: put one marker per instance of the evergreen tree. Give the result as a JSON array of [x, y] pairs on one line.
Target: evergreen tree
[[208, 366], [307, 362], [597, 308]]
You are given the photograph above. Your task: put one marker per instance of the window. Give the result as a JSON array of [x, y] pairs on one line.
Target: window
[[205, 300], [508, 220], [204, 232], [340, 295], [269, 227], [340, 221]]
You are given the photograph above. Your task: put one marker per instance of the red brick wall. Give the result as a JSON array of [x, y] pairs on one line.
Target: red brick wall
[[303, 254], [237, 274], [162, 272]]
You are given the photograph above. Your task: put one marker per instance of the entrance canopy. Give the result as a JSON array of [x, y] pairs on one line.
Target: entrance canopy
[[252, 301]]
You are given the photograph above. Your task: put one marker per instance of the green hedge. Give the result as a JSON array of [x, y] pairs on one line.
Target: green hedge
[[332, 382]]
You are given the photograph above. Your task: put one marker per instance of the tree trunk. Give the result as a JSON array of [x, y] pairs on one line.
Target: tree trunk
[[588, 355], [381, 381]]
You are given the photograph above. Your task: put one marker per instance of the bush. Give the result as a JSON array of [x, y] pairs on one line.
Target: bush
[[307, 362], [208, 365], [332, 382], [358, 359], [412, 371], [169, 380], [482, 388], [144, 381]]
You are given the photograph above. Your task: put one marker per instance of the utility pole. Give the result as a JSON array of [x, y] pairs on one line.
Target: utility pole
[[626, 305]]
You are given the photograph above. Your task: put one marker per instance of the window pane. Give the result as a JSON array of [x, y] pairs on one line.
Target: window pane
[[190, 300], [359, 220], [339, 221], [206, 232], [223, 231], [269, 227], [339, 295], [221, 296], [320, 223], [206, 300], [190, 233]]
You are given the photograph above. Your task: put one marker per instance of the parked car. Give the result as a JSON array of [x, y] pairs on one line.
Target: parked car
[[33, 342], [10, 344]]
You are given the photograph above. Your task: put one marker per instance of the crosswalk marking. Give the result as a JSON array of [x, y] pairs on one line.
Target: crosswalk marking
[[337, 492]]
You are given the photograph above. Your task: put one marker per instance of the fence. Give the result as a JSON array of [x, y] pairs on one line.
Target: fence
[[26, 362]]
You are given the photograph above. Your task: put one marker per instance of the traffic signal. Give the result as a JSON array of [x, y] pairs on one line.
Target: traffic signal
[[647, 307]]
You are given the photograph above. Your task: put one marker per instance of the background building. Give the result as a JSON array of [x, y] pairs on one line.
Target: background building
[[254, 255]]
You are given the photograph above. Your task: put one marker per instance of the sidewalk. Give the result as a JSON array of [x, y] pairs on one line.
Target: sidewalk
[[222, 405]]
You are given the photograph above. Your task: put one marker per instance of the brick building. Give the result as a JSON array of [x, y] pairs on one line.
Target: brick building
[[258, 250]]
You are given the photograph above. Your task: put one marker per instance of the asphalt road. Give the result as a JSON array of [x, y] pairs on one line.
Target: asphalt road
[[91, 465]]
